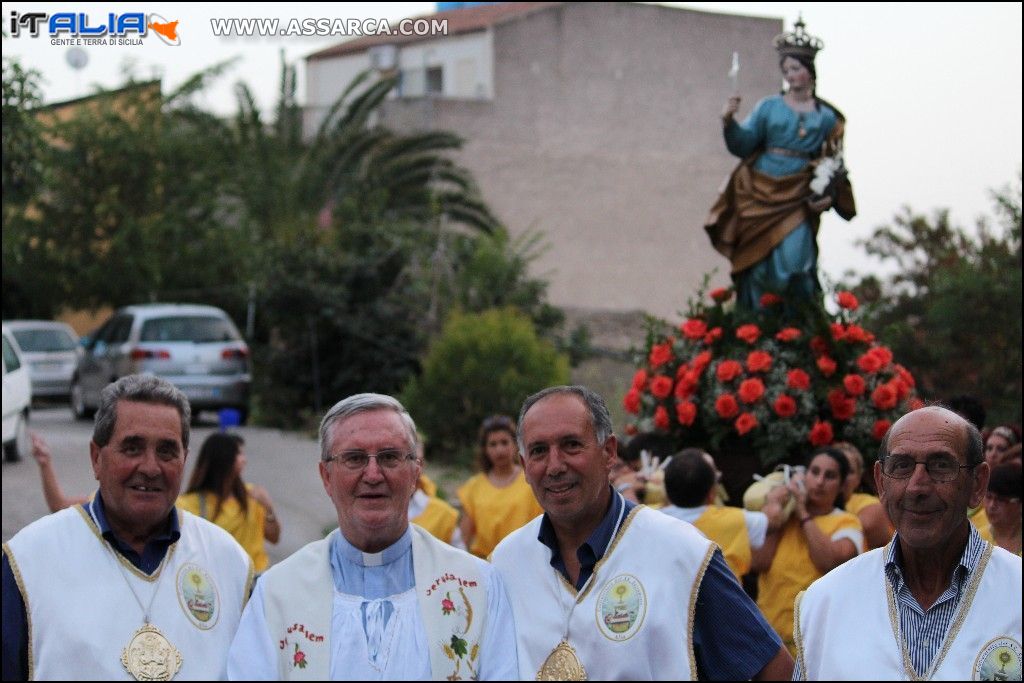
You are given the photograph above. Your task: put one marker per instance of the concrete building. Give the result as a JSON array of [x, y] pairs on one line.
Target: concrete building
[[595, 123]]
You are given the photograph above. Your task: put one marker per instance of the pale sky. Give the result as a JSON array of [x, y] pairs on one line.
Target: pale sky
[[931, 91]]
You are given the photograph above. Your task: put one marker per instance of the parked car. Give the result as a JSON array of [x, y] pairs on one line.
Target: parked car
[[17, 399], [51, 351], [197, 348]]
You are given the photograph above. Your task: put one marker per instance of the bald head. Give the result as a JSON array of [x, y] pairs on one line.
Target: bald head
[[939, 420]]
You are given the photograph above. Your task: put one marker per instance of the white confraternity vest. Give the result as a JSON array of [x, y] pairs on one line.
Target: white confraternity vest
[[298, 600], [847, 624], [616, 631], [81, 613]]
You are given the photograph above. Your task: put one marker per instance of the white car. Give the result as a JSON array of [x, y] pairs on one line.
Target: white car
[[51, 350], [17, 398]]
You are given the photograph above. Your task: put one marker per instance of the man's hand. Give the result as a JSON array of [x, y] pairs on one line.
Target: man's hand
[[730, 109]]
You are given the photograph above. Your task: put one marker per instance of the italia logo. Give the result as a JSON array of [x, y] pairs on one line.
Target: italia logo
[[79, 28]]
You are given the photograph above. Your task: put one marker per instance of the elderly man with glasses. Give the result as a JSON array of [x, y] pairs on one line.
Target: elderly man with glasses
[[938, 602], [378, 599]]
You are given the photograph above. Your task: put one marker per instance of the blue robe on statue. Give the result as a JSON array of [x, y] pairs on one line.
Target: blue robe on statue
[[773, 132]]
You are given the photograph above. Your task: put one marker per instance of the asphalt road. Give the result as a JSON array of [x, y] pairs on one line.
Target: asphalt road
[[284, 462]]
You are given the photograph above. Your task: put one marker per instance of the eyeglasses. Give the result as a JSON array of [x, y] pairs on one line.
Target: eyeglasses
[[357, 460], [941, 468]]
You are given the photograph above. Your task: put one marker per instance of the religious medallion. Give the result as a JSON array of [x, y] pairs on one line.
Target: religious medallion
[[562, 665], [149, 656]]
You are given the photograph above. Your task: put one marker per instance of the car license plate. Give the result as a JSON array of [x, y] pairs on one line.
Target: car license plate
[[195, 369], [202, 392]]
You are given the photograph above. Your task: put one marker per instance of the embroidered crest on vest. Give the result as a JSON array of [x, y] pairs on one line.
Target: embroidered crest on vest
[[621, 607], [198, 596], [999, 660]]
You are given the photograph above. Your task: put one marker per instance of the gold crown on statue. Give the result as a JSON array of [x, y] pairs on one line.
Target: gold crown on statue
[[798, 43]]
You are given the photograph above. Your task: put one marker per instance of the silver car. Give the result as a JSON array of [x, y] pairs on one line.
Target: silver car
[[50, 350], [197, 348]]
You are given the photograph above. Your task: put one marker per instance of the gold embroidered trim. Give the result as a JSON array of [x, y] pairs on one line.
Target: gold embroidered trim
[[611, 547], [692, 612], [798, 638], [24, 598], [91, 523], [954, 628]]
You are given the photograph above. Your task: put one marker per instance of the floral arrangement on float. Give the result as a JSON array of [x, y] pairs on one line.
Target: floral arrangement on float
[[773, 383]]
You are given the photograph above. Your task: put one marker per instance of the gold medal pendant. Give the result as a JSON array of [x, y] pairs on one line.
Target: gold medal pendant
[[149, 656], [562, 665]]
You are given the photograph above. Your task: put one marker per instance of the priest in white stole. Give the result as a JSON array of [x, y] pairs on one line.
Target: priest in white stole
[[379, 598], [938, 602], [606, 589]]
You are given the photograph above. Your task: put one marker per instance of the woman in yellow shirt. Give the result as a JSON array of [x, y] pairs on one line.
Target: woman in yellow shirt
[[497, 501], [878, 530], [818, 537], [217, 493]]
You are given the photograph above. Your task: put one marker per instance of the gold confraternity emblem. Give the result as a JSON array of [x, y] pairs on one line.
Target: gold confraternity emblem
[[149, 656], [562, 665]]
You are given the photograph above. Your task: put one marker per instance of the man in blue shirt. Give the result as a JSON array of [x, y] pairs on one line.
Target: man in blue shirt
[[583, 578]]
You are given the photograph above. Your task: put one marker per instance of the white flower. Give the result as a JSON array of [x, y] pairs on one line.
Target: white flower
[[824, 172]]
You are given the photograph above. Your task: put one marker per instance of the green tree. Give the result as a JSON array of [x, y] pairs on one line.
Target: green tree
[[481, 364], [951, 311]]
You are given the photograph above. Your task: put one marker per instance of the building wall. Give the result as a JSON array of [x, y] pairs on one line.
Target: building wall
[[604, 134]]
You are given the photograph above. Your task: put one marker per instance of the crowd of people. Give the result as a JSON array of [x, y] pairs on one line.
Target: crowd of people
[[590, 585]]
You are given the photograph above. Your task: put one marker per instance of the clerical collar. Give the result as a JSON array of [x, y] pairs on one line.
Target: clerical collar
[[390, 554]]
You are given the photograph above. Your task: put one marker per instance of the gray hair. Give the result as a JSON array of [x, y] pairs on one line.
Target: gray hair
[[974, 451], [140, 389], [600, 418], [362, 403]]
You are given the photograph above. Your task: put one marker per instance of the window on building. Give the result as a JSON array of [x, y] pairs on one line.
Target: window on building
[[435, 80]]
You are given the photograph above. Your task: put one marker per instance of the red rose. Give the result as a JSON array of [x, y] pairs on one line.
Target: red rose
[[879, 430], [847, 300], [821, 434], [751, 390], [838, 331], [726, 406], [631, 401], [819, 345], [788, 334], [854, 385], [701, 361], [916, 404], [856, 333], [722, 294], [728, 370], [640, 380], [902, 390], [748, 333], [905, 375], [826, 365], [843, 407], [744, 423], [759, 361], [884, 397], [869, 363], [785, 406], [631, 429], [686, 413], [798, 379], [713, 335], [694, 328], [883, 355], [769, 299], [661, 418], [661, 386], [660, 354], [684, 387]]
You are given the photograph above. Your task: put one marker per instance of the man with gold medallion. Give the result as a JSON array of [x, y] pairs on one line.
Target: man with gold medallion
[[937, 602], [125, 584], [604, 588]]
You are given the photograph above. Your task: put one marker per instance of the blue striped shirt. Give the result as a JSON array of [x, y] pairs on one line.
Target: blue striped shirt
[[924, 630]]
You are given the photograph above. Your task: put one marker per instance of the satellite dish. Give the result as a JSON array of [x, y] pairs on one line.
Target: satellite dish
[[77, 58]]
